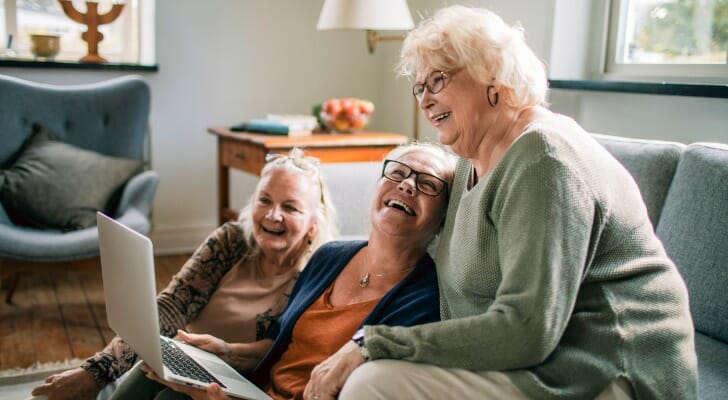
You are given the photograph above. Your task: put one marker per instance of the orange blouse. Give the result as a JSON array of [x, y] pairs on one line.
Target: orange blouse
[[320, 331]]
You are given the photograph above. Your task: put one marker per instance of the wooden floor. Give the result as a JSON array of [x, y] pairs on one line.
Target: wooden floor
[[62, 315]]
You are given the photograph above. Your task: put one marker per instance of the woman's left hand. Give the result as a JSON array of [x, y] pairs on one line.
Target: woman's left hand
[[328, 378], [212, 392]]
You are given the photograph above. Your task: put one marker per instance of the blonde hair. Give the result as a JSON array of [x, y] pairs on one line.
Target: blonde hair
[[479, 41], [324, 214]]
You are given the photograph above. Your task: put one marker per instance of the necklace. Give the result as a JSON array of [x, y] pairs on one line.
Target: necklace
[[364, 281]]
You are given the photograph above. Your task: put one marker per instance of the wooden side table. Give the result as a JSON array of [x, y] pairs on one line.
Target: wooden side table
[[246, 151]]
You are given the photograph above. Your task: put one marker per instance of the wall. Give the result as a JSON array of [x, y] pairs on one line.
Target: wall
[[225, 61]]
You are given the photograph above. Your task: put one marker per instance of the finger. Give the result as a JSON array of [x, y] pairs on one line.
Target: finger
[[42, 389]]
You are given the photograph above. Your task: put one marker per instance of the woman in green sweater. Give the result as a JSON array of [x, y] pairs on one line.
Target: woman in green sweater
[[552, 281]]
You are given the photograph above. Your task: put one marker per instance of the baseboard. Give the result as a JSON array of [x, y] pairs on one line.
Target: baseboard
[[180, 239]]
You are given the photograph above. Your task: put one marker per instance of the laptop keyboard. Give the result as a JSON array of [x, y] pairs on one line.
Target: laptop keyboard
[[181, 364]]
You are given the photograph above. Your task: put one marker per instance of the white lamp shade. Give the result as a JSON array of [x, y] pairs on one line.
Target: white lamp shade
[[365, 14]]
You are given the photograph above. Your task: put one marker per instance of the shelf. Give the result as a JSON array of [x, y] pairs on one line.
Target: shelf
[[30, 63], [659, 88]]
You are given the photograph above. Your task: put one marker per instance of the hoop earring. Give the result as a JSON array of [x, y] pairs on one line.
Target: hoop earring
[[487, 94]]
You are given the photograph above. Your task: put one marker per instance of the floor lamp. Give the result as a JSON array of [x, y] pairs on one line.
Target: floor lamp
[[372, 16]]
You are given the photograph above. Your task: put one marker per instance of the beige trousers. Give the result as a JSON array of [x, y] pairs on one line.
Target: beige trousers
[[392, 379]]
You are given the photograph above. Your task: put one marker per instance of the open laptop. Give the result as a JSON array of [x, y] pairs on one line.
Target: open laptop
[[127, 265]]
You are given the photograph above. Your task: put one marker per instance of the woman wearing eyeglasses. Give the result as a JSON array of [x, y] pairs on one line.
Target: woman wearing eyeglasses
[[553, 284], [388, 279], [237, 282]]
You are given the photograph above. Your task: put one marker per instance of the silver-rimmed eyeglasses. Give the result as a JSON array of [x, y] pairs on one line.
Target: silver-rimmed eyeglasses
[[425, 183], [434, 84]]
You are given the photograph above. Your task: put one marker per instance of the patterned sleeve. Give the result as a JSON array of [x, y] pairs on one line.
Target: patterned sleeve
[[180, 302]]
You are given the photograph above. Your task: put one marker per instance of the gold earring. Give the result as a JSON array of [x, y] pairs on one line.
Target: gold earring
[[487, 94]]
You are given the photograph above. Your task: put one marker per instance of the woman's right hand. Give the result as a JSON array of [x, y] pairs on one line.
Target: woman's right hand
[[73, 384]]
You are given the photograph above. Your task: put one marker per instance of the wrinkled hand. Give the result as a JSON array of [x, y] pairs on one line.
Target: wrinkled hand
[[328, 378], [211, 392], [69, 385]]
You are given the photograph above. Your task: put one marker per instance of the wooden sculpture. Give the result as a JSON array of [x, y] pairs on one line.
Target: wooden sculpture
[[92, 19]]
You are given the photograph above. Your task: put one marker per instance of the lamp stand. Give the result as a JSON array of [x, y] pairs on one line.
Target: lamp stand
[[373, 37]]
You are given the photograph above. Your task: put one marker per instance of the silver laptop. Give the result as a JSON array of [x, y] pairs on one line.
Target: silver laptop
[[127, 265]]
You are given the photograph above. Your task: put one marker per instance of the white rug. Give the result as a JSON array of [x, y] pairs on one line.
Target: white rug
[[17, 383]]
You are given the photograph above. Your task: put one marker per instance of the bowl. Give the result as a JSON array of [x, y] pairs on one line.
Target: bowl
[[344, 123], [46, 46], [346, 115]]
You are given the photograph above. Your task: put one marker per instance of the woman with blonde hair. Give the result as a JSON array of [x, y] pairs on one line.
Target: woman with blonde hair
[[237, 282]]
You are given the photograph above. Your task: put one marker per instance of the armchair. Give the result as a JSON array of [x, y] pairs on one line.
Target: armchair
[[106, 119]]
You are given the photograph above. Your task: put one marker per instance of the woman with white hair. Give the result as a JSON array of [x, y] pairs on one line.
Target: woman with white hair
[[553, 284]]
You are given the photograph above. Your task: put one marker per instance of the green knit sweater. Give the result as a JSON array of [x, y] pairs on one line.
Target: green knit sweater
[[549, 270]]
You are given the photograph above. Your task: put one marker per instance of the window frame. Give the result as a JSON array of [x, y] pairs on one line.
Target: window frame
[[144, 37], [687, 73]]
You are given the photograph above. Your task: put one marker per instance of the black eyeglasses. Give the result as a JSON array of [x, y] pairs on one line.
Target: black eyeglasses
[[434, 84], [425, 183]]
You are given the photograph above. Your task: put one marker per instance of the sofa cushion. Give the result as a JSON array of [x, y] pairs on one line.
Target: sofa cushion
[[60, 186], [712, 367], [694, 230], [651, 163]]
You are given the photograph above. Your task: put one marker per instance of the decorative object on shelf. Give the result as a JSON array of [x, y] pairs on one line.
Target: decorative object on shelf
[[345, 115], [45, 46], [92, 19], [371, 15]]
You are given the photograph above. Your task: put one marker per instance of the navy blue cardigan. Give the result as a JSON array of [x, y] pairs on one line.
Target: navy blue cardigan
[[413, 301]]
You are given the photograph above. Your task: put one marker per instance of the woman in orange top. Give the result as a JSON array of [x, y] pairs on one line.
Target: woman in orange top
[[389, 279]]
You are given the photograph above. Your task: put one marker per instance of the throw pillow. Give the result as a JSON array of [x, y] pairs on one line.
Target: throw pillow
[[60, 186]]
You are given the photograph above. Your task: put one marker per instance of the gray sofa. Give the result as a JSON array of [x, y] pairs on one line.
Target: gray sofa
[[685, 188]]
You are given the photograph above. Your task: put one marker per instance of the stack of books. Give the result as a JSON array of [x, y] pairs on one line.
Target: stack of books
[[276, 124]]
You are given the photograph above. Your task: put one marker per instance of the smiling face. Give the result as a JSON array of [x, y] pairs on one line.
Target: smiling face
[[283, 211], [399, 209], [460, 111]]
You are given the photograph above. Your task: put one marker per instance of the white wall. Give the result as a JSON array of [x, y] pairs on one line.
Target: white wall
[[224, 61]]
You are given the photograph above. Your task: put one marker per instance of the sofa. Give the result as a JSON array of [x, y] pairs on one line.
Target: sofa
[[685, 189]]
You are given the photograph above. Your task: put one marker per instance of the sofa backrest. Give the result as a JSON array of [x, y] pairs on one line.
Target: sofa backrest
[[352, 188], [652, 164], [694, 229], [95, 116]]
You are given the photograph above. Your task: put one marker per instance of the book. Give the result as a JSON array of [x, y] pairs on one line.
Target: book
[[283, 125]]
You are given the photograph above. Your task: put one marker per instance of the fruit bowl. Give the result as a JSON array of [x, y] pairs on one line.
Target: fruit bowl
[[346, 114]]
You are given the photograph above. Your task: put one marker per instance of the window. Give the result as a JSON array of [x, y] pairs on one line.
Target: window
[[684, 40], [125, 40]]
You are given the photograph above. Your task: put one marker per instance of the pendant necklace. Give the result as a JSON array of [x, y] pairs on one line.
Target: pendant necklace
[[364, 281]]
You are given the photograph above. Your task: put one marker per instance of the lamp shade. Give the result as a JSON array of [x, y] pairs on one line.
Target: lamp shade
[[365, 14]]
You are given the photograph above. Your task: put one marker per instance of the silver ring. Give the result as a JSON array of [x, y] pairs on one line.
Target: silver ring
[[315, 397]]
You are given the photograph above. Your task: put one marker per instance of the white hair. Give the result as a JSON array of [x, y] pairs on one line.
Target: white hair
[[479, 41]]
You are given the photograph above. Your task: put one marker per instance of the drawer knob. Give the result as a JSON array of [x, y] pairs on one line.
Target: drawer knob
[[239, 155]]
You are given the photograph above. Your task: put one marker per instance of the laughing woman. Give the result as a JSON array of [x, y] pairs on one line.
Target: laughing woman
[[389, 279], [553, 284], [238, 280]]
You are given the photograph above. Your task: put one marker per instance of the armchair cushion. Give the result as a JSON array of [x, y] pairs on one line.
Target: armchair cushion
[[60, 186]]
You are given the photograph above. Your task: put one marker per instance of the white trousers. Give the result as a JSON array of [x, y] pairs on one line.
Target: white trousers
[[393, 379]]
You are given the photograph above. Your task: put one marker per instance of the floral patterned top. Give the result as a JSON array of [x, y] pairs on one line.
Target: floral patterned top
[[182, 301]]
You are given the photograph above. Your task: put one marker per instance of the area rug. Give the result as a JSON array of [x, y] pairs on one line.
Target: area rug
[[38, 371]]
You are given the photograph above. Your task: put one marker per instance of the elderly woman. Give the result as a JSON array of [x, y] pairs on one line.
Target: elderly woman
[[553, 284], [238, 280], [388, 280]]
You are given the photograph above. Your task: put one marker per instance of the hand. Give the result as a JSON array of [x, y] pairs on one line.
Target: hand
[[241, 356], [76, 383], [205, 342], [328, 378], [211, 392]]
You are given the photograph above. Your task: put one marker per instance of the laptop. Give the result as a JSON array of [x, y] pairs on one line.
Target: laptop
[[127, 265]]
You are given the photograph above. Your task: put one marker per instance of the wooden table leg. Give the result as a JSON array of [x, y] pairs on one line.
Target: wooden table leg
[[223, 185]]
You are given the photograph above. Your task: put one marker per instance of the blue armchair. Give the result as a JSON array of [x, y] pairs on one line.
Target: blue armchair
[[108, 119]]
